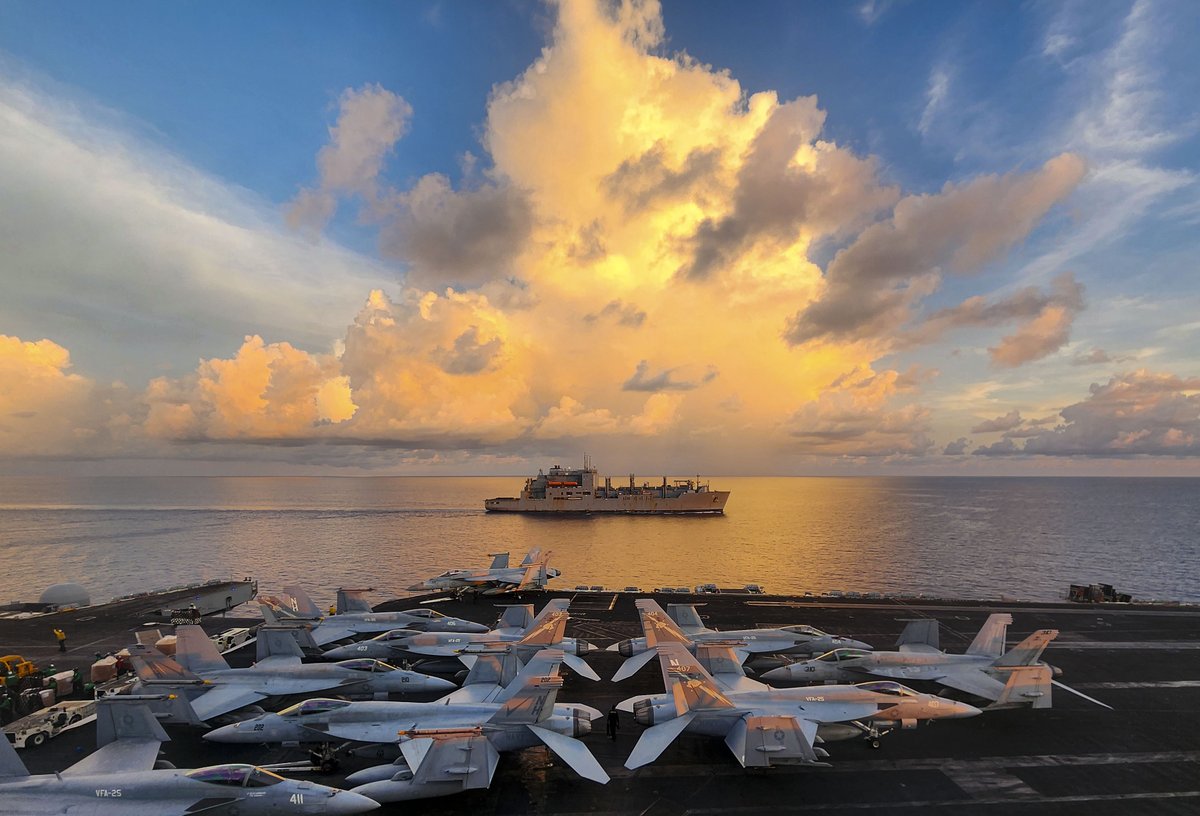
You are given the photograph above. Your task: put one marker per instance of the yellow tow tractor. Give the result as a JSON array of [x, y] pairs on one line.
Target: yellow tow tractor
[[14, 664]]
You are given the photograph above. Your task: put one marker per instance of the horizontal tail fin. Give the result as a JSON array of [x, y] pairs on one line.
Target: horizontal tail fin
[[152, 666], [1026, 685], [991, 639], [1028, 651]]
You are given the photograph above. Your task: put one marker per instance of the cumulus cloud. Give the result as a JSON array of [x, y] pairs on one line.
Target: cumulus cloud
[[46, 410], [370, 121], [625, 314], [1001, 423], [956, 448], [873, 284], [1135, 413]]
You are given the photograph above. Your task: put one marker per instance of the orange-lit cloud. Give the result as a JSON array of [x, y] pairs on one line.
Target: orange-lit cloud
[[634, 267]]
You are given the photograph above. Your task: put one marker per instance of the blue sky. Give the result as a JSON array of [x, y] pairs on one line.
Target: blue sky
[[227, 110]]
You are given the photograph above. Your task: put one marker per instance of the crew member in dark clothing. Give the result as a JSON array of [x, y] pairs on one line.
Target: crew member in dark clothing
[[614, 723]]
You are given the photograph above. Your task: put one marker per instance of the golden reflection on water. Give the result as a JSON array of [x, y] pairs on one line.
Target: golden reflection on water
[[1026, 537]]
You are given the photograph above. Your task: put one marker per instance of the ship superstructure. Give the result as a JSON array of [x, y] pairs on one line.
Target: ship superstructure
[[578, 490]]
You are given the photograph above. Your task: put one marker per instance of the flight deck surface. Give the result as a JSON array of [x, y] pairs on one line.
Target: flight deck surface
[[1141, 757]]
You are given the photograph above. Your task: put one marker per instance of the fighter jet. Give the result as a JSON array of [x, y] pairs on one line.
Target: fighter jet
[[119, 779], [354, 616], [447, 747], [764, 726], [201, 674], [516, 625], [685, 621], [499, 578], [986, 671]]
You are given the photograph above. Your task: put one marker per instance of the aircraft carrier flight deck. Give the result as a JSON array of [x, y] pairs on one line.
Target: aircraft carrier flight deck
[[1141, 757]]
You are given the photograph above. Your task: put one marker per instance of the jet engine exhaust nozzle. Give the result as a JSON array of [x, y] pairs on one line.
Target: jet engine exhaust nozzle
[[582, 723], [643, 712], [625, 648]]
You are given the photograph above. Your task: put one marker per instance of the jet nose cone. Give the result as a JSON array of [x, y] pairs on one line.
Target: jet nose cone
[[776, 675], [342, 653], [418, 587], [347, 802], [964, 710], [858, 644], [439, 684], [474, 628], [226, 733]]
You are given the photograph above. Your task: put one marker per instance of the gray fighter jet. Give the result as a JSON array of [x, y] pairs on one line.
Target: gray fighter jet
[[119, 779], [532, 573], [447, 747], [354, 616], [764, 726], [986, 670], [684, 620], [201, 674], [516, 625]]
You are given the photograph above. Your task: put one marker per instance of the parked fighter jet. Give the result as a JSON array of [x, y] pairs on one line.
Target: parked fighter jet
[[499, 578], [685, 621], [119, 779], [447, 747], [516, 625], [354, 616], [201, 674], [986, 670], [764, 726]]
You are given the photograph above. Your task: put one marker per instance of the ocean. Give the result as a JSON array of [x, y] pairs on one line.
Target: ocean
[[950, 537]]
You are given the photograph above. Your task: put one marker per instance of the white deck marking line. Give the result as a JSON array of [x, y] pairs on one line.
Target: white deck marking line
[[1141, 684], [959, 805]]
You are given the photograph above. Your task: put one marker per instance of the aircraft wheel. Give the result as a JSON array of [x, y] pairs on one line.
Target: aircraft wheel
[[328, 765], [874, 743], [37, 740], [74, 719]]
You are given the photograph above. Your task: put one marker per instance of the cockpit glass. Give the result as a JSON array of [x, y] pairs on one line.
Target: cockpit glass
[[419, 613], [358, 664], [806, 630], [317, 706], [887, 687], [232, 775], [262, 778], [843, 654]]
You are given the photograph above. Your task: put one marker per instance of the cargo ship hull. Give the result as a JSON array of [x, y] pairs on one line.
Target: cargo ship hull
[[712, 502], [578, 491]]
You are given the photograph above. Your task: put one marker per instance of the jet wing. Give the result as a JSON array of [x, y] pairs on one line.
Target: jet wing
[[383, 731], [329, 632], [223, 699], [466, 758], [760, 740], [973, 681], [120, 756]]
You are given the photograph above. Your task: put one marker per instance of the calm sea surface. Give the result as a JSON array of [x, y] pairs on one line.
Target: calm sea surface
[[951, 536]]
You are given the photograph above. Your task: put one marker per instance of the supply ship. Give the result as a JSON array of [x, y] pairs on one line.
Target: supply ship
[[577, 490]]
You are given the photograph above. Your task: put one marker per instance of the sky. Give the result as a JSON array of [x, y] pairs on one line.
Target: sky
[[484, 237]]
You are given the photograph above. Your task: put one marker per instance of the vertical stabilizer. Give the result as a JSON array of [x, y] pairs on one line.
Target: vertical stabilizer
[[352, 600], [1028, 651], [719, 659], [922, 632], [531, 557], [499, 561], [277, 642], [687, 618], [657, 626], [195, 651], [991, 638], [296, 598], [687, 681], [543, 664], [129, 719], [531, 703], [515, 618], [547, 630]]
